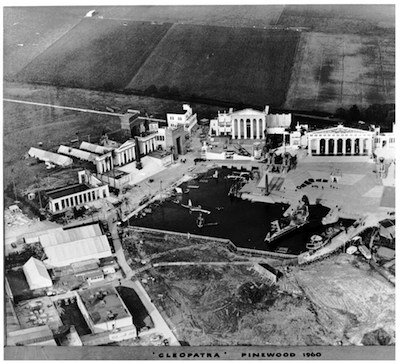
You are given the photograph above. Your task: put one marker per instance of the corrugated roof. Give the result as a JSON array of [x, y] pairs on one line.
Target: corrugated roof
[[57, 237], [279, 120], [46, 156], [64, 254], [77, 153], [36, 274], [94, 148]]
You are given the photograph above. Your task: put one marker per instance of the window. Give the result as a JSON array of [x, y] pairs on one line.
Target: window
[[171, 118], [392, 140], [377, 140]]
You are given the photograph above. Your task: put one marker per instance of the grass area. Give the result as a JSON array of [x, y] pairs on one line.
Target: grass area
[[344, 18], [341, 70], [237, 64], [96, 53], [233, 306], [29, 31]]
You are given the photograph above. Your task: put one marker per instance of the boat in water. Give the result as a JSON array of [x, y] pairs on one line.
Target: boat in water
[[200, 221], [297, 219], [318, 241], [195, 208], [193, 186]]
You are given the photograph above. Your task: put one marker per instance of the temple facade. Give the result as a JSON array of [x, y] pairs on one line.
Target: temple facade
[[340, 140]]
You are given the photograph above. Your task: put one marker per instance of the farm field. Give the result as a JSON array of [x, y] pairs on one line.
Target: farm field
[[29, 31], [96, 53], [237, 64], [340, 70], [345, 18], [220, 15], [352, 299]]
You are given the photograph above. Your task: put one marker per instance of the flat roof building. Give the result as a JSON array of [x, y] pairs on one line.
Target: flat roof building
[[103, 309]]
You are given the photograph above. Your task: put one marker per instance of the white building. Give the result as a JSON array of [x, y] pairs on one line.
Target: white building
[[36, 274], [62, 199], [249, 123], [104, 310], [64, 254], [188, 119], [44, 155], [385, 143], [340, 140]]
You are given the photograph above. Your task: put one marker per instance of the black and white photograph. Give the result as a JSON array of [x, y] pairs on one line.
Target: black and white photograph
[[199, 181]]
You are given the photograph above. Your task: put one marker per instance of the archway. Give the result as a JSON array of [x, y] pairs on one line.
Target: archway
[[331, 146], [241, 128], [248, 128], [260, 125], [322, 146], [236, 128], [357, 146], [348, 146], [340, 146]]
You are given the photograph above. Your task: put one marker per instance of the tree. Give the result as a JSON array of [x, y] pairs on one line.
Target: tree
[[354, 113], [151, 90]]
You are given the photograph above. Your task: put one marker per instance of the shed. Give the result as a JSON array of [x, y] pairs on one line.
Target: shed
[[36, 274]]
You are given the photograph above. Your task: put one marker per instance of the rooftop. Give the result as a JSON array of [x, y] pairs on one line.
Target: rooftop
[[38, 312], [66, 191], [104, 304]]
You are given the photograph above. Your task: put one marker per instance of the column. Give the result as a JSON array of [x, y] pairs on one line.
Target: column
[[239, 129], [258, 129], [251, 129], [335, 146], [263, 126], [318, 146], [344, 146], [245, 128], [233, 128], [353, 142]]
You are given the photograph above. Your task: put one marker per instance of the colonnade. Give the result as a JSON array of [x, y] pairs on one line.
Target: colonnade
[[71, 201], [340, 146], [248, 128]]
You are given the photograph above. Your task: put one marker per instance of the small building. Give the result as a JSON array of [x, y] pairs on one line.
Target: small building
[[62, 199], [36, 274], [188, 120], [44, 155], [266, 271], [103, 309], [38, 335], [94, 276]]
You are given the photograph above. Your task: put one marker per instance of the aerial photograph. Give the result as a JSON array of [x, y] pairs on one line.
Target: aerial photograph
[[179, 179]]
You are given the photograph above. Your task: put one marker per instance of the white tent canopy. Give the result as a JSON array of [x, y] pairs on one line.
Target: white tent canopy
[[36, 274]]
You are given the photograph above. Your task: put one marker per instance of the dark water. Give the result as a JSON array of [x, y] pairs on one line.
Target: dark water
[[243, 222]]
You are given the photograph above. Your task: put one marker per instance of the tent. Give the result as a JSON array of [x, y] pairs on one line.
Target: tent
[[36, 274]]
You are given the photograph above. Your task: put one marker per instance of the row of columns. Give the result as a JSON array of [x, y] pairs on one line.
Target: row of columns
[[344, 142], [104, 164], [239, 128], [78, 199], [125, 156]]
